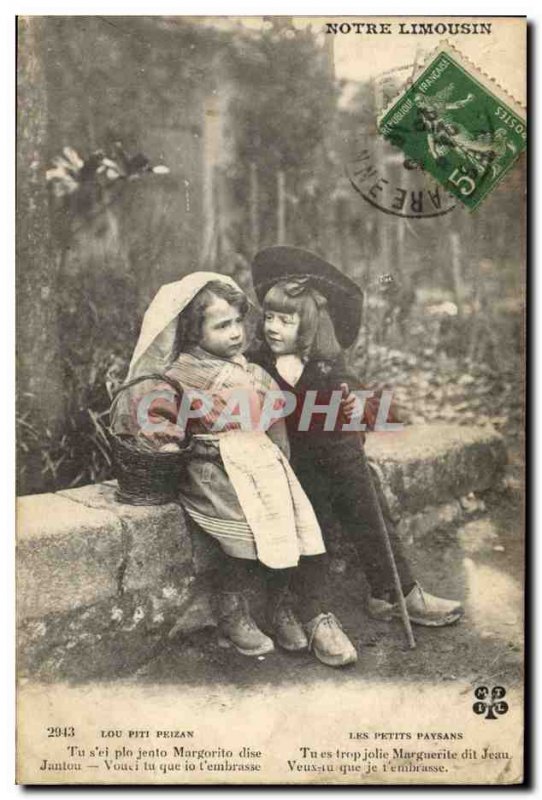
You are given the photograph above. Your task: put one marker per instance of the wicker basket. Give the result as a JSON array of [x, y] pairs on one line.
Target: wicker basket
[[145, 477]]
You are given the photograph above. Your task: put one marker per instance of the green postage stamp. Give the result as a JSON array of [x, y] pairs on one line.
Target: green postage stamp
[[456, 128]]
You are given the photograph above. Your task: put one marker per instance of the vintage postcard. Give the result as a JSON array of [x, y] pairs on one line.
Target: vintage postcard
[[270, 400]]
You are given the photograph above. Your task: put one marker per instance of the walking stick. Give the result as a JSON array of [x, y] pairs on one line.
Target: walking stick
[[389, 552], [396, 580]]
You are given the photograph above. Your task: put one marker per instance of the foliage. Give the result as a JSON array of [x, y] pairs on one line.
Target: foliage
[[90, 177], [282, 107], [144, 82], [286, 100], [80, 453], [435, 378]]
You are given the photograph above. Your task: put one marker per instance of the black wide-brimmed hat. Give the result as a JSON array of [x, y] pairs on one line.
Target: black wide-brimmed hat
[[344, 297]]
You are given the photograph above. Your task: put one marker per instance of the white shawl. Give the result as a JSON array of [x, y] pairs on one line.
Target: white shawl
[[157, 336]]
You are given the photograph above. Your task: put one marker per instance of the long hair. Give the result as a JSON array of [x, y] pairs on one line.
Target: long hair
[[190, 321], [316, 337]]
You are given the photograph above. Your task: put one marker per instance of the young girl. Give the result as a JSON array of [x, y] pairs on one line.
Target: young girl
[[312, 311], [238, 487]]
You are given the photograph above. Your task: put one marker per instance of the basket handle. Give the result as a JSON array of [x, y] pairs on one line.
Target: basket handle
[[152, 376]]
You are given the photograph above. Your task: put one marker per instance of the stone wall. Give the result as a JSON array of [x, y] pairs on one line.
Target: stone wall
[[102, 584]]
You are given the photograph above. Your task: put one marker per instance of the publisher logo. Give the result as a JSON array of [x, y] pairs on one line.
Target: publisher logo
[[491, 703]]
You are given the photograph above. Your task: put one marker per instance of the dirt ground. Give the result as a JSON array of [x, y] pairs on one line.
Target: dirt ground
[[479, 562], [282, 701]]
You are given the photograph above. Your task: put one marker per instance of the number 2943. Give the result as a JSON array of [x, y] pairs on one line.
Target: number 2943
[[56, 730]]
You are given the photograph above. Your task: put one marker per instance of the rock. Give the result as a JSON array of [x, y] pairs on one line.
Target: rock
[[432, 464], [157, 539], [68, 555], [414, 526], [113, 637], [197, 614], [512, 481], [472, 504], [477, 535], [337, 566]]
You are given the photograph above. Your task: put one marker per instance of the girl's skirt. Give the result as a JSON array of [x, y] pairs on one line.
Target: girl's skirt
[[240, 489]]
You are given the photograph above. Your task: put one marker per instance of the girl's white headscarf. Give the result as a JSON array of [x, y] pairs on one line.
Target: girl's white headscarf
[[153, 349]]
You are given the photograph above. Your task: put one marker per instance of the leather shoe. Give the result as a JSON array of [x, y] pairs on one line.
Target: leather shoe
[[237, 628], [423, 609], [329, 642]]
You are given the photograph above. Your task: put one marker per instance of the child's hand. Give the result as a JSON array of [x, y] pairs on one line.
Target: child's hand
[[170, 447], [348, 402]]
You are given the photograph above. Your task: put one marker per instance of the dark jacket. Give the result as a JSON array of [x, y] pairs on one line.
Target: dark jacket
[[324, 377]]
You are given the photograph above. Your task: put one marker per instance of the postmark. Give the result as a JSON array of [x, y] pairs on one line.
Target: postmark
[[454, 126], [383, 176], [391, 182]]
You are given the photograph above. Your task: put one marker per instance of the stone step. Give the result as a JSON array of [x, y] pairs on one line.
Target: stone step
[[428, 465]]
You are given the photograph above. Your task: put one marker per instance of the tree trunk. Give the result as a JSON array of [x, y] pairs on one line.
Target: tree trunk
[[211, 157], [39, 369], [281, 207], [457, 275], [254, 209]]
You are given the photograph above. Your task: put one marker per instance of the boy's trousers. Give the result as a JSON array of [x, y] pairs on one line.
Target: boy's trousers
[[335, 474]]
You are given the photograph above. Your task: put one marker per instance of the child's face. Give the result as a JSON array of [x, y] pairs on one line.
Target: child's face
[[223, 330], [280, 331]]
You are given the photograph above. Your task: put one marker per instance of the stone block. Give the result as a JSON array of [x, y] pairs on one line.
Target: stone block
[[114, 637], [68, 555], [412, 527], [205, 550], [431, 464], [159, 547], [197, 613]]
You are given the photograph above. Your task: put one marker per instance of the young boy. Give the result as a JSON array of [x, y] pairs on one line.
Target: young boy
[[311, 312]]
